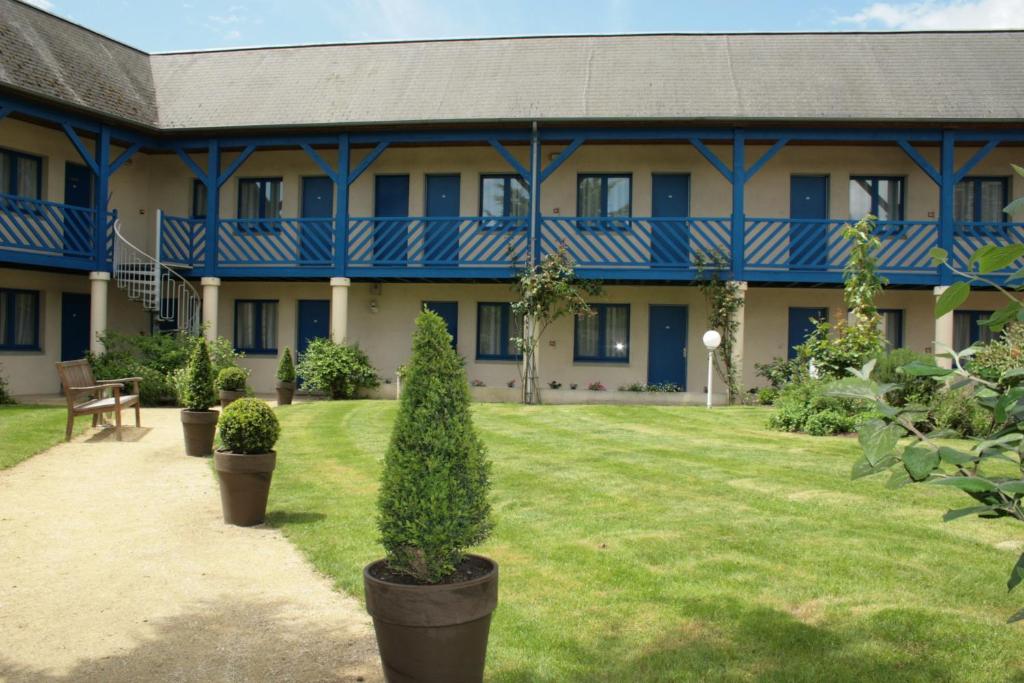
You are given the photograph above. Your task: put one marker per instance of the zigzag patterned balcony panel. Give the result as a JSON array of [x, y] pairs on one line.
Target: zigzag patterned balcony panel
[[183, 241], [245, 242], [34, 230], [969, 237], [481, 242]]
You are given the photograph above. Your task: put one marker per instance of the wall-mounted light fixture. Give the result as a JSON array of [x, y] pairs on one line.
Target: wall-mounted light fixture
[[373, 306]]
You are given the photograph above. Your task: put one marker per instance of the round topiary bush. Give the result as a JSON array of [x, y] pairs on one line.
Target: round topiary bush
[[197, 391], [286, 369], [232, 379], [249, 426]]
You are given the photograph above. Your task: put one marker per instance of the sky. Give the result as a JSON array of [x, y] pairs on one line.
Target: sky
[[168, 25]]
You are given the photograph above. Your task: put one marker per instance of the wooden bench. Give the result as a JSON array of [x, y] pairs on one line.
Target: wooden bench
[[85, 395]]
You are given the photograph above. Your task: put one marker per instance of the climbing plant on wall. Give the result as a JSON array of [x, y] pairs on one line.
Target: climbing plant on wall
[[723, 299]]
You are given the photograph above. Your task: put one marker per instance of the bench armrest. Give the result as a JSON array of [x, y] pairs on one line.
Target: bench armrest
[[122, 381]]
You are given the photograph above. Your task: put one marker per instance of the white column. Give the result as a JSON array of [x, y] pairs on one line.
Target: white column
[[740, 317], [98, 282], [339, 309], [943, 332], [211, 306]]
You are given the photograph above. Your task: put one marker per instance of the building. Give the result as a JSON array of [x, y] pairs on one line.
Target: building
[[335, 189]]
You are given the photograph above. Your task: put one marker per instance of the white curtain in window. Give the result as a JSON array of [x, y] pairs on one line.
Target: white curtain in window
[[616, 332], [888, 199], [489, 343], [587, 336], [28, 178], [246, 325], [590, 197], [25, 318], [618, 197], [992, 200], [963, 201], [268, 330], [4, 322], [272, 192], [519, 202], [493, 197], [248, 200]]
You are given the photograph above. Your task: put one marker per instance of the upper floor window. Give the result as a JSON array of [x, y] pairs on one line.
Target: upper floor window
[[19, 319], [603, 337], [198, 198], [495, 326], [881, 196], [981, 200], [260, 197], [604, 195], [256, 326], [503, 195], [21, 174], [967, 328]]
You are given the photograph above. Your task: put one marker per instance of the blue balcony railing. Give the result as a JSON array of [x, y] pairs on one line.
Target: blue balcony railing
[[41, 232], [969, 237], [183, 241]]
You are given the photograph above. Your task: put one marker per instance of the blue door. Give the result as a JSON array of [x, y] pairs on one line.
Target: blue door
[[666, 355], [74, 326], [670, 240], [441, 241], [315, 237], [314, 322], [391, 229], [77, 224], [449, 312], [808, 236], [801, 325]]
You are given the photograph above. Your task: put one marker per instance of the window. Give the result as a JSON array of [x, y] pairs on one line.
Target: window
[[198, 198], [603, 337], [256, 326], [21, 174], [259, 198], [604, 195], [19, 319], [981, 200], [891, 326], [495, 325], [967, 331], [503, 196], [878, 195]]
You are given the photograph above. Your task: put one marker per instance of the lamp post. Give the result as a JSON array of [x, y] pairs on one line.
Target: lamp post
[[711, 340]]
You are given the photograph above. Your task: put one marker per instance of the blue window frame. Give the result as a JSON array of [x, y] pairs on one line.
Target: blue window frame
[[881, 196], [495, 326], [256, 326], [892, 326], [604, 195], [21, 174], [979, 199], [967, 329], [19, 320], [603, 337], [198, 198], [260, 197], [503, 195]]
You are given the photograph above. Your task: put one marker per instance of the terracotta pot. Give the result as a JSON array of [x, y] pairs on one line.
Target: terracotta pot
[[244, 485], [432, 633], [229, 397], [199, 427], [285, 392]]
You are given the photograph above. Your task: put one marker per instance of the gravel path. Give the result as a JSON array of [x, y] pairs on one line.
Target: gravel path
[[115, 565]]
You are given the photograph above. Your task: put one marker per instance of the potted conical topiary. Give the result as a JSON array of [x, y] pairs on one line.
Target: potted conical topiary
[[197, 420], [231, 384], [431, 602], [248, 432], [285, 379]]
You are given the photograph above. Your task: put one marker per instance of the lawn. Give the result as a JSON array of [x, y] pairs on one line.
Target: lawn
[[27, 430], [655, 544]]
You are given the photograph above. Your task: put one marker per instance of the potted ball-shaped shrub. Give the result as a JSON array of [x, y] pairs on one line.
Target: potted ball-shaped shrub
[[285, 379], [248, 432], [197, 396], [231, 384], [431, 602]]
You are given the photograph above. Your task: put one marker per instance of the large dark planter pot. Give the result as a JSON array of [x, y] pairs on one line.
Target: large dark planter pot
[[244, 485], [229, 397], [285, 392], [199, 427], [432, 633]]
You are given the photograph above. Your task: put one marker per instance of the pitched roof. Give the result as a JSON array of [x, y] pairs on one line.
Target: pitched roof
[[812, 77]]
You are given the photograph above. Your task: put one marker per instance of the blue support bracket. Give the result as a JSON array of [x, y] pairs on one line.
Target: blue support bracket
[[975, 160], [83, 152], [367, 160], [947, 185], [739, 218], [713, 158], [341, 186], [922, 163], [101, 164], [193, 166], [239, 160], [321, 162], [561, 158], [766, 157], [124, 156], [213, 184], [512, 161]]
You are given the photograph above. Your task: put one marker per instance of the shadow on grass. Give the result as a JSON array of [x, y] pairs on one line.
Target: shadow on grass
[[220, 641], [279, 518]]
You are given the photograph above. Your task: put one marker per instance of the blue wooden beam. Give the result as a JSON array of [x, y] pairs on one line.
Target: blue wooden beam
[[975, 160], [367, 160], [536, 219], [341, 187], [239, 160], [512, 161], [124, 156], [561, 158], [212, 182], [83, 152], [947, 186], [193, 166], [739, 219], [920, 161], [713, 158], [321, 162], [102, 166], [766, 157]]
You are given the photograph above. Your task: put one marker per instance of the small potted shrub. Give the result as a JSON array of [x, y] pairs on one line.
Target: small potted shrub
[[197, 420], [231, 384], [338, 370], [248, 432], [285, 379], [431, 602]]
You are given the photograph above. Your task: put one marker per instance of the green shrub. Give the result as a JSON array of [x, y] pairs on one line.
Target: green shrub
[[433, 496], [993, 359], [781, 372], [836, 349], [249, 425], [829, 422], [231, 379], [958, 411], [804, 406], [286, 369], [197, 391], [5, 395], [767, 396], [338, 370], [910, 389]]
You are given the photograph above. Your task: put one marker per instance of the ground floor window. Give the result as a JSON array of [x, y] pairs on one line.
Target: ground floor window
[[495, 326], [891, 326], [967, 330], [604, 336], [19, 319], [256, 326]]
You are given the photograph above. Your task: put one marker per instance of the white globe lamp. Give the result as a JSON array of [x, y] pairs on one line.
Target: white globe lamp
[[712, 340]]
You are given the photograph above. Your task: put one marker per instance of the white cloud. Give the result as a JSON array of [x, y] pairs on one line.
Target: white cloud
[[42, 4], [941, 15]]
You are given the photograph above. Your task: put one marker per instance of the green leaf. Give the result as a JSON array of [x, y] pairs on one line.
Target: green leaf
[[1012, 486], [1019, 170], [920, 369], [863, 468], [1016, 617], [953, 297], [969, 484], [920, 461], [878, 439], [1015, 207], [1016, 574], [938, 256], [855, 387], [955, 457], [965, 512], [898, 480]]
